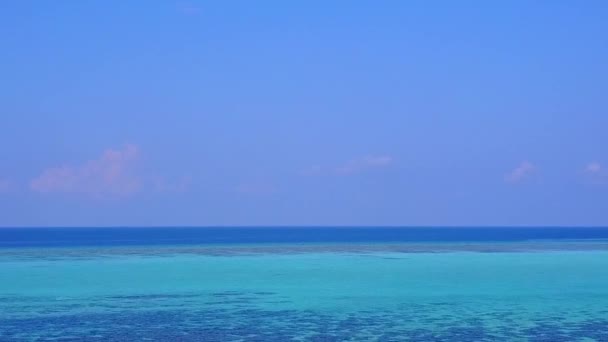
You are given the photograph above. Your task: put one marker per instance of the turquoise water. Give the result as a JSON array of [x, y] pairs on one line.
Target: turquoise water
[[534, 291]]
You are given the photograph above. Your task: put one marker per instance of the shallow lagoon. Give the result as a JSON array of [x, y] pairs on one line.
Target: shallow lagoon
[[457, 291]]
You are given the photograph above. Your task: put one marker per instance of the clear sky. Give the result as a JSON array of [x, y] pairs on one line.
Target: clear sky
[[303, 113]]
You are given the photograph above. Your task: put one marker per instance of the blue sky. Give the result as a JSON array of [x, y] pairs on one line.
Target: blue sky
[[303, 113]]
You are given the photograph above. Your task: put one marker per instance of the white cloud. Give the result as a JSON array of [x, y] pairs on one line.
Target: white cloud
[[522, 171], [110, 174], [596, 173], [593, 168]]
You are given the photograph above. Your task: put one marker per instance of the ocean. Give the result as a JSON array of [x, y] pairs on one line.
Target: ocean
[[304, 284]]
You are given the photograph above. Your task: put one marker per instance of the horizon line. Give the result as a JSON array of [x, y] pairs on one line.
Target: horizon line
[[298, 226]]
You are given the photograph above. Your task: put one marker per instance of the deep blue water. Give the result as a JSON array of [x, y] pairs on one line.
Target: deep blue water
[[75, 237]]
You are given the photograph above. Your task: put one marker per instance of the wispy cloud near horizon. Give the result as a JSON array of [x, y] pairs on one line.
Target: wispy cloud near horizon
[[111, 174], [596, 173], [523, 171], [593, 168]]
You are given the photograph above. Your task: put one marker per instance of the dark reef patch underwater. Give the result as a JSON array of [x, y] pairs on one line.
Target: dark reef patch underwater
[[548, 289], [414, 324]]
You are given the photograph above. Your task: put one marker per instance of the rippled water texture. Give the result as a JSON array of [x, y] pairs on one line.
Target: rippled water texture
[[482, 291]]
